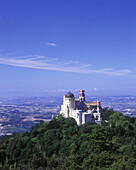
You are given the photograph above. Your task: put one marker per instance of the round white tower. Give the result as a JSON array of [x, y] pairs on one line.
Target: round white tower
[[70, 100]]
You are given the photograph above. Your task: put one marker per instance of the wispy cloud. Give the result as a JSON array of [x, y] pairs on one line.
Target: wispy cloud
[[57, 90], [86, 65], [61, 91], [7, 54], [42, 62], [51, 44]]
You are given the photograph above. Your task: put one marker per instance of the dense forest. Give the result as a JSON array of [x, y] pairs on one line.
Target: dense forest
[[61, 144]]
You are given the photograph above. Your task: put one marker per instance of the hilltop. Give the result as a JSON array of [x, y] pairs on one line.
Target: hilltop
[[61, 144]]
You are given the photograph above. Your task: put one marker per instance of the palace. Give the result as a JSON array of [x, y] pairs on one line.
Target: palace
[[79, 109]]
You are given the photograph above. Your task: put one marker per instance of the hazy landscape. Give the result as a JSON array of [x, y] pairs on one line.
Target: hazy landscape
[[20, 114]]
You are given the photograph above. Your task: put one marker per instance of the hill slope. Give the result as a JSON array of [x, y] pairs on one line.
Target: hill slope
[[61, 144]]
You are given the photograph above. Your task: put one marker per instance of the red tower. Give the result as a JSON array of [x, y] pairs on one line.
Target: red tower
[[82, 95]]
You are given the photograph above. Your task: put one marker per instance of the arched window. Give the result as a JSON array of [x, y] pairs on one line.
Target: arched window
[[97, 117]]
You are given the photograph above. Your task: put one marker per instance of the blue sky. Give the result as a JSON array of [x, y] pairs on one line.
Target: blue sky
[[49, 46]]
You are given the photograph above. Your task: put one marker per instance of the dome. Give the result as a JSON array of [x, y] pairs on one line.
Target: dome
[[69, 94]]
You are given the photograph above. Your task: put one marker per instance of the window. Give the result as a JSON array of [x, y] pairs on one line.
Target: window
[[97, 117]]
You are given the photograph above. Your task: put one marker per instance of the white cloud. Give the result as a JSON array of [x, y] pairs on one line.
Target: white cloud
[[51, 44], [86, 65], [8, 54], [95, 89], [56, 90], [42, 62]]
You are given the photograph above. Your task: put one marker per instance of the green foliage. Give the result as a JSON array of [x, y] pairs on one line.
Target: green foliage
[[61, 144]]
